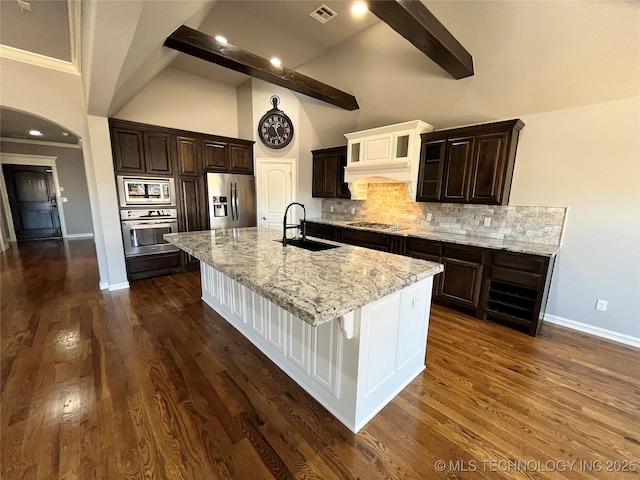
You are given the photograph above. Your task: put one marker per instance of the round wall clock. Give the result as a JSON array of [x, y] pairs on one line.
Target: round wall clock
[[275, 128]]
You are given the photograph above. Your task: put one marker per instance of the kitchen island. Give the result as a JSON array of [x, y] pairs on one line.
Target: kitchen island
[[347, 324]]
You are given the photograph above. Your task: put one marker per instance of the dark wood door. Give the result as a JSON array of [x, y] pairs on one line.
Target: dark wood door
[[157, 149], [241, 159], [188, 155], [128, 150], [33, 202], [318, 176], [192, 212], [215, 156], [487, 169], [458, 156], [461, 282], [330, 174]]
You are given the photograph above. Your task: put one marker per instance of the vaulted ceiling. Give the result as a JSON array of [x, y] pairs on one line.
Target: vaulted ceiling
[[529, 56]]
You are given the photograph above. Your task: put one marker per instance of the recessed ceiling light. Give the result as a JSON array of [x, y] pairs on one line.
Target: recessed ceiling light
[[359, 8], [65, 134], [276, 62], [220, 39], [35, 133], [24, 6]]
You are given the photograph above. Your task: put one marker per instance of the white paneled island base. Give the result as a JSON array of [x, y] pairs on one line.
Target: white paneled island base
[[353, 365]]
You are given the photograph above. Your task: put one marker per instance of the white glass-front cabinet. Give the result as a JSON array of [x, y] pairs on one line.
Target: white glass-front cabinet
[[384, 145], [383, 154]]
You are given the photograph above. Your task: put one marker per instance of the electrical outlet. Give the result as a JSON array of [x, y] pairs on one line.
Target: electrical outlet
[[601, 305], [353, 210], [429, 217], [487, 221], [331, 209]]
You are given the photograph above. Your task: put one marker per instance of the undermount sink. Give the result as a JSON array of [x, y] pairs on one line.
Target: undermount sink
[[311, 245]]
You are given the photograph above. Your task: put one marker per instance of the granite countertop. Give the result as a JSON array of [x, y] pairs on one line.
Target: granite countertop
[[315, 286], [492, 243]]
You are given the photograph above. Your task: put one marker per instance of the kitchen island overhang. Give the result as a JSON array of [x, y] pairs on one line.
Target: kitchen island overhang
[[349, 324]]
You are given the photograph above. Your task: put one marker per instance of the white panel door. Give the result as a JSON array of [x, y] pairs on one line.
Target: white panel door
[[277, 182]]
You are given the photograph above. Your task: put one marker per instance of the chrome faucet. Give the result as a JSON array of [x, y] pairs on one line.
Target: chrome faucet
[[302, 227]]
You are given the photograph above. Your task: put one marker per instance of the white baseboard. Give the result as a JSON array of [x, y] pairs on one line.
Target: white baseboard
[[71, 236], [118, 286], [104, 285], [592, 330]]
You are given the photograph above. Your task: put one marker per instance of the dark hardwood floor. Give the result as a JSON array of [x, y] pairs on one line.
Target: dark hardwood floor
[[150, 383]]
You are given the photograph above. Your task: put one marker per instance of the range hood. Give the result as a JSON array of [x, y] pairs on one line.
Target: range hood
[[388, 154]]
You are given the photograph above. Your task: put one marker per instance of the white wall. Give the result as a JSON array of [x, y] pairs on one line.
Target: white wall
[[57, 97], [184, 101], [261, 93], [588, 158]]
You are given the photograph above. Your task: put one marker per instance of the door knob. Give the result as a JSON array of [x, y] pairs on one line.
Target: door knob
[[264, 218]]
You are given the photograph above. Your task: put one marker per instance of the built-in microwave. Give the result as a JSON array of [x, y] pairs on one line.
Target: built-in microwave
[[146, 191]]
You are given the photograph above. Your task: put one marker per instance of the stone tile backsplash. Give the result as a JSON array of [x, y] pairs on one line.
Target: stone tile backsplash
[[386, 203]]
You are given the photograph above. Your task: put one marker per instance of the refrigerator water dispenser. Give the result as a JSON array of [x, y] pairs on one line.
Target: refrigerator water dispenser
[[219, 206]]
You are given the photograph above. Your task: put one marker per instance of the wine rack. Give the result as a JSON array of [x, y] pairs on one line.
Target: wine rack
[[512, 300]]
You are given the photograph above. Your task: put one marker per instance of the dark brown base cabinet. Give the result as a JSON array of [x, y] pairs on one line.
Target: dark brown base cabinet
[[140, 149], [506, 287], [146, 266]]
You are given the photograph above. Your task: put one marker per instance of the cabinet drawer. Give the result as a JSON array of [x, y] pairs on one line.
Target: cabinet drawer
[[463, 253], [321, 231], [377, 241], [519, 261], [153, 262], [423, 248], [526, 279]]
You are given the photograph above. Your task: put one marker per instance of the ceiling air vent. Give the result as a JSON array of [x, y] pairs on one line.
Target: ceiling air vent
[[323, 14]]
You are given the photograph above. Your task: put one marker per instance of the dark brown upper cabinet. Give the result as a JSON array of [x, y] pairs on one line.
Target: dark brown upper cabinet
[[188, 155], [128, 150], [215, 155], [141, 151], [157, 153], [328, 173], [241, 158], [430, 174], [457, 169], [469, 164]]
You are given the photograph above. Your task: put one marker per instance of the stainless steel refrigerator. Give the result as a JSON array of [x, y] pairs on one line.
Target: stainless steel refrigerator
[[232, 200]]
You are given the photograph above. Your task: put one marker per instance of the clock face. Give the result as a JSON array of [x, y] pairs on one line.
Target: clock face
[[275, 129]]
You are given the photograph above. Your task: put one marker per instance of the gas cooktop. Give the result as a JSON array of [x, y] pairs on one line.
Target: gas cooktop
[[375, 226]]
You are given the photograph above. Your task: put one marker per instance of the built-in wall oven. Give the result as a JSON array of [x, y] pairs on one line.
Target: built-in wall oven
[[143, 230]]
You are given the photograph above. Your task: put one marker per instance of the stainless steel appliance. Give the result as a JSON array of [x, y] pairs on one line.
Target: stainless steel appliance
[[376, 226], [143, 230], [146, 191], [232, 200]]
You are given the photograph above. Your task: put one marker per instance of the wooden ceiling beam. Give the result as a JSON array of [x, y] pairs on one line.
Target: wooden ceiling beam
[[412, 20], [203, 46]]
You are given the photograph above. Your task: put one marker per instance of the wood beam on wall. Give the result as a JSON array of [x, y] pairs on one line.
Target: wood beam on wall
[[412, 20], [205, 47]]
